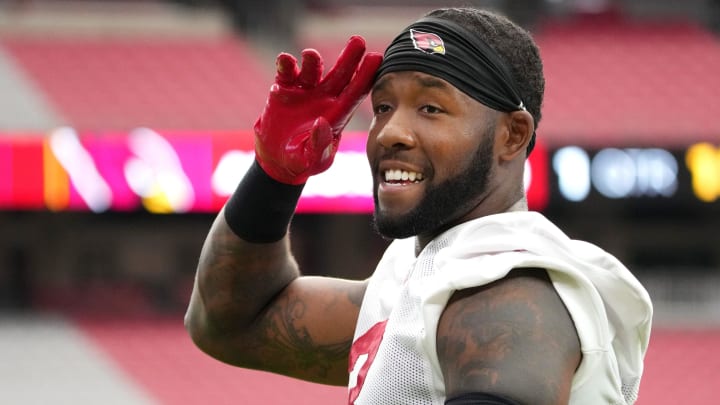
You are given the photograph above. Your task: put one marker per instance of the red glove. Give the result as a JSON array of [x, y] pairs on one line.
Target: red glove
[[298, 132]]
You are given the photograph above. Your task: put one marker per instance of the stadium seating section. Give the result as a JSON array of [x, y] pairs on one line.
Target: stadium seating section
[[123, 83], [608, 81]]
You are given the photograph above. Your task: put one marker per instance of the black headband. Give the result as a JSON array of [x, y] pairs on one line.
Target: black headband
[[444, 49]]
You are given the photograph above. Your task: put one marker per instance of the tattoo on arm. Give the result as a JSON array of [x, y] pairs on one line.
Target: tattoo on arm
[[288, 339], [309, 338], [513, 337], [259, 313], [236, 279]]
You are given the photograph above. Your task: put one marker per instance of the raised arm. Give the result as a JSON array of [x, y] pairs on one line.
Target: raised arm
[[513, 338], [250, 306]]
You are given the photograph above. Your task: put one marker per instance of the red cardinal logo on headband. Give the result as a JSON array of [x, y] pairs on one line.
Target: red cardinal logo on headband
[[427, 42]]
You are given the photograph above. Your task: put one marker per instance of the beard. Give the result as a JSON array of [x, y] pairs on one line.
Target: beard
[[442, 203]]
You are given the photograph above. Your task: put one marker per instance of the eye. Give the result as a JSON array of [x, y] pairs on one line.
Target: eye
[[381, 108], [430, 109]]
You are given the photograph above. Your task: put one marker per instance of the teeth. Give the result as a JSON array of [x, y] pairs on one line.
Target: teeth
[[402, 175]]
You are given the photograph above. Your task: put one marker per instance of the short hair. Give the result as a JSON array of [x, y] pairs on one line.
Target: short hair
[[514, 45]]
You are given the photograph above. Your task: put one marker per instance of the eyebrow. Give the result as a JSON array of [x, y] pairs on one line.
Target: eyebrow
[[429, 81], [380, 84]]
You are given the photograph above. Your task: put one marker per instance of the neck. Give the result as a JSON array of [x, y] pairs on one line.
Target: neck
[[519, 205]]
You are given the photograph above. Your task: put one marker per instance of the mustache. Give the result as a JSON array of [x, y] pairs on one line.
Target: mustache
[[397, 155]]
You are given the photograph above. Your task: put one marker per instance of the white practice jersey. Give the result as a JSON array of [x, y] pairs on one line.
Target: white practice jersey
[[393, 359]]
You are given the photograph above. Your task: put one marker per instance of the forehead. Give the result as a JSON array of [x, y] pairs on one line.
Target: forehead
[[421, 79]]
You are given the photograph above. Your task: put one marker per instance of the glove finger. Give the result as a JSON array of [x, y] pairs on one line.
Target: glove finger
[[320, 135], [344, 68], [312, 67], [360, 85], [287, 69]]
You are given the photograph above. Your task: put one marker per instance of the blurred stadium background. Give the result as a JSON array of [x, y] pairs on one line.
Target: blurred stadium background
[[124, 124]]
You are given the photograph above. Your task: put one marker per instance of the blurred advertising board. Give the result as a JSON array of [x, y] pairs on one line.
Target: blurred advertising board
[[176, 172]]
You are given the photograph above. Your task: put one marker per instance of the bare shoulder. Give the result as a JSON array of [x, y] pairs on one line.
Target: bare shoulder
[[512, 337]]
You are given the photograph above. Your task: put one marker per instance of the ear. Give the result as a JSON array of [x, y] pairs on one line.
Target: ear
[[520, 128]]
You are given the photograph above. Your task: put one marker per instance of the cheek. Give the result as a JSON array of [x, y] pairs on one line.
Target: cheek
[[370, 142], [455, 153]]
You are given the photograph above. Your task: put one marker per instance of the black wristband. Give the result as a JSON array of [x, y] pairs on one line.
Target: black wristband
[[261, 207]]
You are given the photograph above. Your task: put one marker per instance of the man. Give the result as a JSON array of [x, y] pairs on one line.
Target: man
[[477, 300]]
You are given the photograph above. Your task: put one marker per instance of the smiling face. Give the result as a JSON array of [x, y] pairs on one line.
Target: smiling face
[[431, 149]]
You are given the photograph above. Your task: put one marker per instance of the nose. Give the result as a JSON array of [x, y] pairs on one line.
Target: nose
[[396, 133]]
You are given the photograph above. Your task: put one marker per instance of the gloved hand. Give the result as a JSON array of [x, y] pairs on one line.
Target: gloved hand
[[298, 132]]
